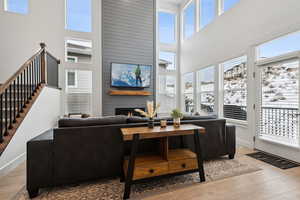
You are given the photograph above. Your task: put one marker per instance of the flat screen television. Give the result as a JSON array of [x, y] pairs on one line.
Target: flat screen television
[[130, 75]]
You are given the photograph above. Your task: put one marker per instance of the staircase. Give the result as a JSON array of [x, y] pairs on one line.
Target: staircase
[[18, 93]]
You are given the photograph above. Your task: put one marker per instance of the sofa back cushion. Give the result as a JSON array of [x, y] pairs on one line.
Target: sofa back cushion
[[69, 122], [199, 117]]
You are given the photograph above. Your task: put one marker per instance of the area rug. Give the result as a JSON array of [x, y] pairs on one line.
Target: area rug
[[113, 189]]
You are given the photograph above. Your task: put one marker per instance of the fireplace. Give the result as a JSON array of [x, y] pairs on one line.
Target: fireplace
[[128, 111]]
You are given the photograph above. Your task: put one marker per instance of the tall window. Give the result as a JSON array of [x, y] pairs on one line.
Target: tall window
[[227, 4], [235, 88], [78, 51], [79, 15], [207, 12], [167, 81], [167, 61], [206, 89], [188, 92], [189, 24], [283, 45], [16, 6], [78, 92], [167, 27]]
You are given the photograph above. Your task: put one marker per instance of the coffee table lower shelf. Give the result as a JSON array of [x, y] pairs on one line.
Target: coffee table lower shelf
[[147, 166]]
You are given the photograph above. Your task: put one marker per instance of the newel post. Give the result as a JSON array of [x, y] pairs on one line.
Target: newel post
[[43, 62]]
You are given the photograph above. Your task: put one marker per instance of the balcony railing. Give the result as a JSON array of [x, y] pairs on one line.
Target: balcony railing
[[280, 123]]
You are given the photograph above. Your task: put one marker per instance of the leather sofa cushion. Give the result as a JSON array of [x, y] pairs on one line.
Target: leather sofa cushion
[[198, 117], [69, 122], [135, 119]]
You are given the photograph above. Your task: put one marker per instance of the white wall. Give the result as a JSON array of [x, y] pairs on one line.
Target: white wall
[[20, 36], [235, 33], [42, 116]]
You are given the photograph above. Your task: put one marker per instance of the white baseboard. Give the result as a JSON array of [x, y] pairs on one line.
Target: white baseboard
[[244, 143], [12, 164]]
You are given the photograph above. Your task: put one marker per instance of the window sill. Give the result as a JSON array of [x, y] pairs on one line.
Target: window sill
[[240, 123], [270, 140]]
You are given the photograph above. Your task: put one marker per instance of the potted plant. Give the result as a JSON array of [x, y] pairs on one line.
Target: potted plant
[[150, 114], [176, 115]]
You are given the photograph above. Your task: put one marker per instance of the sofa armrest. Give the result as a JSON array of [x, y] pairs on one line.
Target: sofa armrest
[[231, 140], [40, 161]]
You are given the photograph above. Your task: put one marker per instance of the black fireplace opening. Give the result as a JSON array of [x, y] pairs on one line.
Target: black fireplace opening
[[128, 111]]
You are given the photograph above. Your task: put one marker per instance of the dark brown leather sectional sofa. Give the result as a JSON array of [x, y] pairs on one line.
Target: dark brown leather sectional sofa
[[87, 149]]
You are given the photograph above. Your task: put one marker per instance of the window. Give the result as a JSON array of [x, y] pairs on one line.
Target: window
[[188, 92], [167, 61], [207, 12], [227, 4], [235, 88], [206, 89], [283, 45], [79, 15], [78, 92], [167, 27], [16, 6], [189, 24], [78, 51], [71, 79], [167, 93]]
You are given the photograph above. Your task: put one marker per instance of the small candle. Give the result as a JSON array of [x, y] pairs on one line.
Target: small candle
[[163, 123]]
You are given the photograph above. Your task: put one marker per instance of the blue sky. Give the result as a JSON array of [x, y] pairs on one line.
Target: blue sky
[[229, 4], [17, 6], [189, 20], [166, 27], [207, 12], [79, 16]]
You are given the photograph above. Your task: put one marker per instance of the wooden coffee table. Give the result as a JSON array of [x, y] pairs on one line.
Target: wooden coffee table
[[168, 161]]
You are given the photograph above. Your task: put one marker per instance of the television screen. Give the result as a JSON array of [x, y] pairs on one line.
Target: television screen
[[130, 75]]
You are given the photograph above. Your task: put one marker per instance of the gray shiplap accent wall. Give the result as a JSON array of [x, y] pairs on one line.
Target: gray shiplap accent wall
[[128, 36]]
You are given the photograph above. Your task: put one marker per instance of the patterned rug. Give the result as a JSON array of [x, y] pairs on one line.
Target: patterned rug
[[113, 189]]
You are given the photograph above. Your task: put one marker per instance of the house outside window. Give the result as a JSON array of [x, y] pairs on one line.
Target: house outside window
[[188, 93], [235, 88], [206, 90]]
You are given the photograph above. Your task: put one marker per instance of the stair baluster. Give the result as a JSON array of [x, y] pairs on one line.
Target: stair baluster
[[17, 92]]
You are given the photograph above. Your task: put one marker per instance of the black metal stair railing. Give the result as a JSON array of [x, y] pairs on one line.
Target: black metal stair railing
[[18, 91]]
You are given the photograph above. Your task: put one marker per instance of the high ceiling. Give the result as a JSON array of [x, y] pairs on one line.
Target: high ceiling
[[172, 1]]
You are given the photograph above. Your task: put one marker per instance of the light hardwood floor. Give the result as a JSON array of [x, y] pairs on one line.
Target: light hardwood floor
[[268, 183]]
